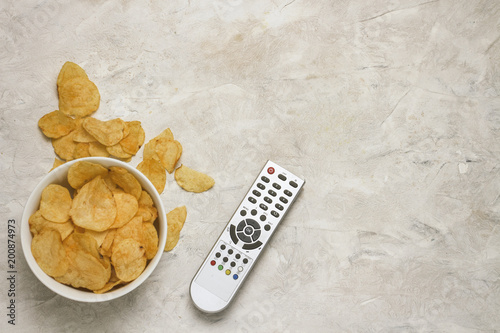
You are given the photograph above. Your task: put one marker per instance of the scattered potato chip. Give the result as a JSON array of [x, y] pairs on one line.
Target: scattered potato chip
[[38, 223], [49, 253], [56, 124], [126, 181], [78, 97], [169, 152], [94, 207], [134, 139], [129, 259], [81, 150], [97, 149], [155, 172], [64, 146], [175, 222], [109, 133], [81, 134], [126, 208], [55, 203], [117, 151], [82, 172], [69, 71], [192, 180]]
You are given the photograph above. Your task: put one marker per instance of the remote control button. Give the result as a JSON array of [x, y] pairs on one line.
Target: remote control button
[[252, 200], [252, 246], [217, 255], [282, 177], [262, 206], [253, 223], [271, 192], [284, 200], [267, 227], [241, 226], [277, 186], [223, 247], [254, 212], [243, 212], [256, 193], [212, 263], [270, 170], [256, 235], [248, 231], [235, 276], [220, 267], [280, 207], [288, 193], [268, 200], [265, 179], [275, 213], [240, 269], [293, 184], [233, 264], [228, 272], [245, 261], [230, 251], [237, 256], [244, 237], [225, 259], [263, 218], [232, 233], [261, 186]]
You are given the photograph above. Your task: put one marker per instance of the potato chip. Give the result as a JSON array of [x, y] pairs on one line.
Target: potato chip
[[175, 222], [78, 97], [192, 180], [147, 210], [133, 229], [113, 282], [49, 253], [56, 124], [99, 236], [129, 259], [134, 139], [107, 243], [126, 181], [98, 149], [169, 152], [55, 203], [117, 151], [81, 134], [64, 146], [82, 172], [149, 240], [126, 208], [150, 150], [38, 223], [69, 71], [155, 172], [81, 150], [94, 207], [109, 133]]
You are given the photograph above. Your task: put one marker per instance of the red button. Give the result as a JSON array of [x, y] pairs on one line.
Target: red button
[[270, 170], [212, 263]]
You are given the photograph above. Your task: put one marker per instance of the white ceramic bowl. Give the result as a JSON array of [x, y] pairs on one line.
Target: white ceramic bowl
[[59, 176]]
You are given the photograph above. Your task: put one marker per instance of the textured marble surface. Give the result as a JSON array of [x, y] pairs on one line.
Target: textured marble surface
[[389, 109]]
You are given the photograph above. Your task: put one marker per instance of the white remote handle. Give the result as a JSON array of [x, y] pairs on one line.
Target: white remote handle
[[255, 220]]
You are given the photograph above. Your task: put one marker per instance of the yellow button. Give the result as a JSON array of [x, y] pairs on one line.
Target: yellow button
[[228, 272]]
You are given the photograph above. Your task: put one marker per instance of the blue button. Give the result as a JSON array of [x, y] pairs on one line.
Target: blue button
[[235, 276]]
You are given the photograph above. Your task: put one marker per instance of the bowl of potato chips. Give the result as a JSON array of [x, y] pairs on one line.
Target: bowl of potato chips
[[93, 229]]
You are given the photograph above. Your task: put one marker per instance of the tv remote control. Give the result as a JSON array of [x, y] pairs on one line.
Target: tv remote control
[[248, 231]]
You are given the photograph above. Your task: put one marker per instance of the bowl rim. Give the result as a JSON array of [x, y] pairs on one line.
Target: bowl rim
[[59, 175]]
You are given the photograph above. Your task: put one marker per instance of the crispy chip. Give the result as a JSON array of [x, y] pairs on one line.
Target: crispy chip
[[55, 203], [56, 124], [49, 253], [107, 243], [134, 139], [192, 180], [117, 151], [113, 282], [149, 239], [81, 150], [129, 259], [155, 172], [147, 210], [133, 229], [109, 133], [69, 71], [126, 181], [98, 149], [38, 223], [126, 208], [82, 172], [78, 97], [94, 207], [169, 152], [99, 236], [175, 222], [64, 146], [81, 134]]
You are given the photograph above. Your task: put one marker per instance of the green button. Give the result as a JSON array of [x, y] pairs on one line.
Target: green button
[[220, 267]]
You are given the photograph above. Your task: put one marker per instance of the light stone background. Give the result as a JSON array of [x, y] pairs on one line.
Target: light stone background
[[389, 109]]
